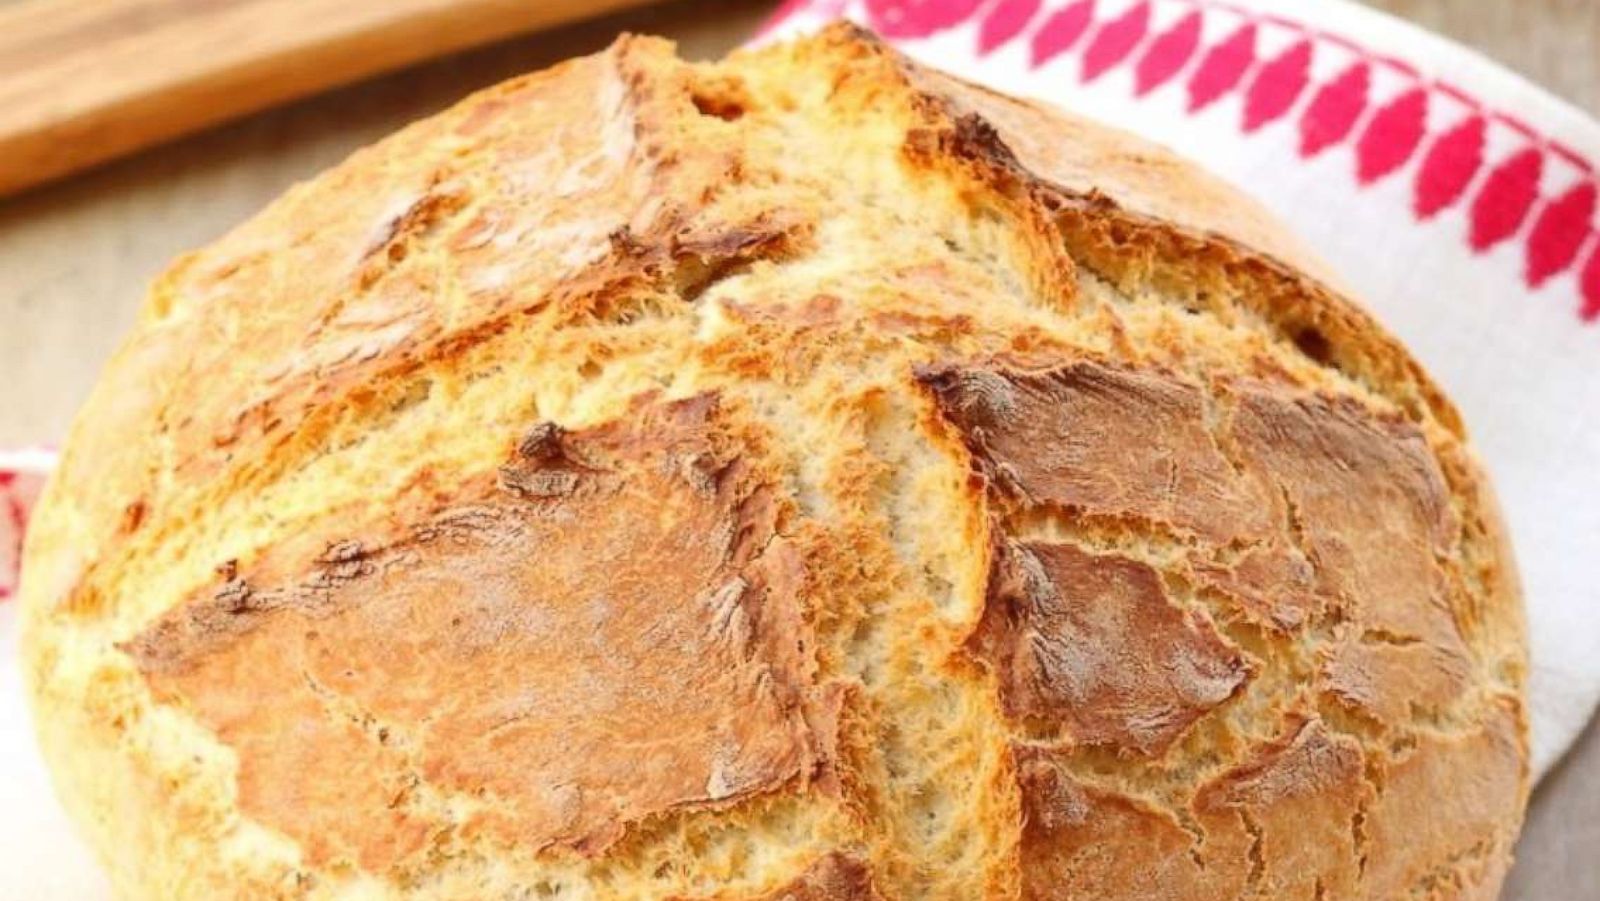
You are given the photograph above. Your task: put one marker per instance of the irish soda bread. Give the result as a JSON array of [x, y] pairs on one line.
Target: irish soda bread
[[803, 476]]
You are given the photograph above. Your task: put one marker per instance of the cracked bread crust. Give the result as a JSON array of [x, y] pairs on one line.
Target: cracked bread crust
[[799, 476], [649, 557]]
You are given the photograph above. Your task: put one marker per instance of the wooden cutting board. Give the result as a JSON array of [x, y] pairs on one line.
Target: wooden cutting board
[[83, 81]]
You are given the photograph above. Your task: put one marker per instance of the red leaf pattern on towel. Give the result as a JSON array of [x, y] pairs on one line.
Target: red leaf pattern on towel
[[1005, 21], [918, 18], [1222, 67], [1115, 40], [1276, 86], [1558, 233], [15, 515], [1503, 202], [1448, 167], [1061, 31], [1167, 54], [1392, 136], [1589, 284], [1334, 109]]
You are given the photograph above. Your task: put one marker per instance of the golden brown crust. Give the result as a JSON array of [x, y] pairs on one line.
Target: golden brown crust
[[1188, 230], [1464, 783], [834, 877], [932, 495], [1288, 811], [1092, 645], [1081, 841], [1104, 441], [502, 646]]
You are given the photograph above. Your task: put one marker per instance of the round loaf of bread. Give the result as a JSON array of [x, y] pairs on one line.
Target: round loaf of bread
[[800, 476]]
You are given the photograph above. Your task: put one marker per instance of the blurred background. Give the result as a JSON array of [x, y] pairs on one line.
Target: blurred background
[[77, 251]]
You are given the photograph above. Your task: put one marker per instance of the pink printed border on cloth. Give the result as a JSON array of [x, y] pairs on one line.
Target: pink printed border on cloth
[[22, 475], [1502, 197]]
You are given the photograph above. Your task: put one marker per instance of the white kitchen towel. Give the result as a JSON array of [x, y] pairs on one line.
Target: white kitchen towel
[[1458, 199], [1454, 196]]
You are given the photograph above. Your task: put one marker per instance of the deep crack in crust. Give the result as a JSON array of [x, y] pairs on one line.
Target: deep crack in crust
[[613, 505]]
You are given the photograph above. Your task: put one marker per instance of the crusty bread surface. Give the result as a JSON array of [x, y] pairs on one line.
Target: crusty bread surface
[[801, 476]]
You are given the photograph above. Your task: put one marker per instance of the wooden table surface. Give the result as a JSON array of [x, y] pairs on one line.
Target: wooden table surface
[[75, 256]]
